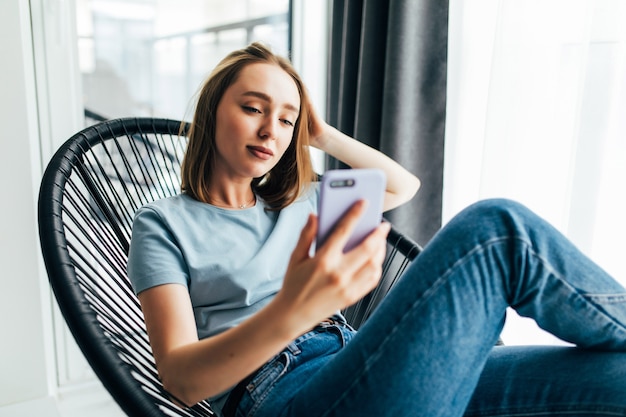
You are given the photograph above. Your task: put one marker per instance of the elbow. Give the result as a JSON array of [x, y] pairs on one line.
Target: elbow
[[402, 194], [179, 388], [413, 187], [410, 188], [179, 394]]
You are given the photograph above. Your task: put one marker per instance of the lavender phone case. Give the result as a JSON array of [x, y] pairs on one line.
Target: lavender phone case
[[342, 188]]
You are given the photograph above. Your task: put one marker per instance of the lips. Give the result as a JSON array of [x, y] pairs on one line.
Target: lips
[[261, 152]]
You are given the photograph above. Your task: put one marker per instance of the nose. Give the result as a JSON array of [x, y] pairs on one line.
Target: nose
[[268, 128]]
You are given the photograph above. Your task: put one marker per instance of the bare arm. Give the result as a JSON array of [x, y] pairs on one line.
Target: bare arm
[[314, 288], [193, 370], [401, 184]]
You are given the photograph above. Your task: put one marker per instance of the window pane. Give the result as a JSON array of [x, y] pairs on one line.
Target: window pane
[[149, 57]]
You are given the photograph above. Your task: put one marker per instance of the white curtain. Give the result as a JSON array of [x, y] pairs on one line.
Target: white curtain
[[537, 113]]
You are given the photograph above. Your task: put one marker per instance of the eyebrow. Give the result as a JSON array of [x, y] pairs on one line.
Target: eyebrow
[[267, 98]]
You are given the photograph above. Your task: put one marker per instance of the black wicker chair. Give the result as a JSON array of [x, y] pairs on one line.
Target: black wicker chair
[[89, 193]]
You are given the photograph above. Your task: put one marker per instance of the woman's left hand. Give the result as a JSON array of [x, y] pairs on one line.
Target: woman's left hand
[[401, 184], [317, 127]]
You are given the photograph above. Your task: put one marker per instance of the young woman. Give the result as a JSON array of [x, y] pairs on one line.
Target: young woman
[[239, 311]]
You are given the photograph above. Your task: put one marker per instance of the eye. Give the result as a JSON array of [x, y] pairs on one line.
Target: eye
[[287, 122], [251, 109]]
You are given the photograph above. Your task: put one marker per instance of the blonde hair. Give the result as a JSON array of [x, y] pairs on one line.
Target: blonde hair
[[283, 184]]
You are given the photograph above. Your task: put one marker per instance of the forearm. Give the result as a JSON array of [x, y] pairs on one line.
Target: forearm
[[401, 184], [207, 367]]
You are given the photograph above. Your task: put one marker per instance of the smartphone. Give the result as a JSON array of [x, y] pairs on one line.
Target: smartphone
[[340, 189]]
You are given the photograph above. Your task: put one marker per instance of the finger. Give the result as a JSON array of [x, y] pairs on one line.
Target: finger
[[377, 249], [365, 278], [307, 235], [381, 252], [342, 231], [372, 249], [383, 229]]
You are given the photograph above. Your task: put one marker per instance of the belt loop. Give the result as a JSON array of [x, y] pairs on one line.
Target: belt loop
[[293, 348]]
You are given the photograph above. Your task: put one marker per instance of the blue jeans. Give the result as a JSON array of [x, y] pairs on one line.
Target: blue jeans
[[428, 350]]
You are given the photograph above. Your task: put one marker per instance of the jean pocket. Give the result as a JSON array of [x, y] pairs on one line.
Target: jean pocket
[[265, 379]]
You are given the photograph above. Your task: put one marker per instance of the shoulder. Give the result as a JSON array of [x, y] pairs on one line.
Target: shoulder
[[165, 205], [170, 208], [167, 218]]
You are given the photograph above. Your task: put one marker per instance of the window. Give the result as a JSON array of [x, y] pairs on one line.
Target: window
[[536, 100], [149, 57]]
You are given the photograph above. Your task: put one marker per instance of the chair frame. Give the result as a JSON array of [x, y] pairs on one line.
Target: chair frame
[[89, 192]]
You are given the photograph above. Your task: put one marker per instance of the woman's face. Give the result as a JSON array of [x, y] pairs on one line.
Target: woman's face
[[255, 122]]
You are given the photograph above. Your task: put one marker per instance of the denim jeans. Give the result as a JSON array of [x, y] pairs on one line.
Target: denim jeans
[[428, 350]]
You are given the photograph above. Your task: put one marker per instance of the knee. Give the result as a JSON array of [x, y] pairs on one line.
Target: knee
[[497, 212], [497, 207], [484, 224]]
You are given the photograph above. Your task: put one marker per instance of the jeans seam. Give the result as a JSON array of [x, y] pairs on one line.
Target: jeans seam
[[548, 410], [257, 403], [589, 297]]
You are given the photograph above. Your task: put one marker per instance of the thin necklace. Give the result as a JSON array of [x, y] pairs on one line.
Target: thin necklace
[[240, 206], [243, 206]]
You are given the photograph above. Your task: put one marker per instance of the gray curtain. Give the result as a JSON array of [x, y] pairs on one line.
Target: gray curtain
[[387, 88]]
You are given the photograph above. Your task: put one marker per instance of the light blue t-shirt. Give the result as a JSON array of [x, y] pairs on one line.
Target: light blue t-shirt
[[231, 261]]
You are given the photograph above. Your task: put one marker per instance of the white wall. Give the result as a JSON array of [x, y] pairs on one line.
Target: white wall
[[39, 108], [25, 352]]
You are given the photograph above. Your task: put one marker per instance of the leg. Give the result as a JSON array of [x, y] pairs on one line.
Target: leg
[[549, 380], [423, 350]]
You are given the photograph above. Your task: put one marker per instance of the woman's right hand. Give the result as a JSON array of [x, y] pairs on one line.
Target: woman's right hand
[[316, 287]]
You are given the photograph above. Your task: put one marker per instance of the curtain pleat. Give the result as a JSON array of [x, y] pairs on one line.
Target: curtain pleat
[[387, 88]]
